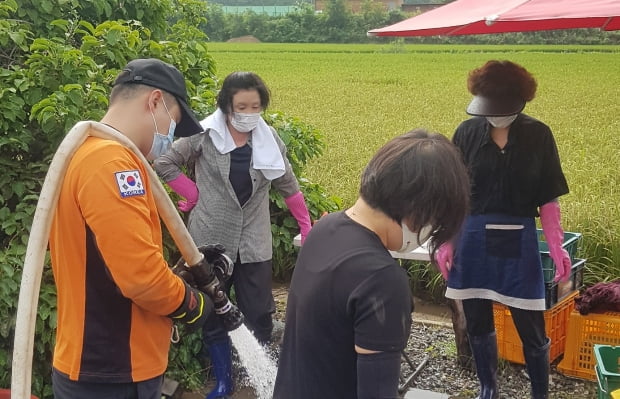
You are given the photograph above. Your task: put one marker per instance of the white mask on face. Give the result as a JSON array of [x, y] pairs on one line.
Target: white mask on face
[[412, 240], [501, 121], [161, 144], [244, 122]]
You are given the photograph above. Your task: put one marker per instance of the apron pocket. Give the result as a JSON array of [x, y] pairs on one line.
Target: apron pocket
[[504, 240]]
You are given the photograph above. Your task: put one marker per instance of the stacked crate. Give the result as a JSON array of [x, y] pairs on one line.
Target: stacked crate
[[555, 291], [586, 331], [559, 300]]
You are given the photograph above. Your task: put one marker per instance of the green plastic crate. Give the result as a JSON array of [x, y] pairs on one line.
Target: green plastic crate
[[556, 291], [570, 244], [607, 369]]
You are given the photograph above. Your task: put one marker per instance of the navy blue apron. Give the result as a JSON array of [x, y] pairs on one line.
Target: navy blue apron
[[497, 258]]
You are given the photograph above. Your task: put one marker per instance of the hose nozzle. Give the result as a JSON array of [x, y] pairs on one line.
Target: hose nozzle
[[230, 314]]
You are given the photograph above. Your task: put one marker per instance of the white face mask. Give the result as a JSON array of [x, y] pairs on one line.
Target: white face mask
[[244, 122], [412, 240], [501, 121], [161, 143]]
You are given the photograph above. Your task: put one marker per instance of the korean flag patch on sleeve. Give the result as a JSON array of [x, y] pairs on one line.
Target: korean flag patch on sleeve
[[129, 183]]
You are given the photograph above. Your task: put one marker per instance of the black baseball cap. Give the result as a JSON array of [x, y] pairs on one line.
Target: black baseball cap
[[495, 106], [159, 74]]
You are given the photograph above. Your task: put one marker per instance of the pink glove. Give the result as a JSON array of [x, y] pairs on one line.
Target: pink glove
[[185, 187], [444, 258], [550, 221], [297, 206]]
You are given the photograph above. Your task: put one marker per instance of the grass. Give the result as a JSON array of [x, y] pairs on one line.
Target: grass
[[360, 96]]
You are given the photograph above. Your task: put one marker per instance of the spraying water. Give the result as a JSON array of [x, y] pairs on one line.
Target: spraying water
[[260, 367]]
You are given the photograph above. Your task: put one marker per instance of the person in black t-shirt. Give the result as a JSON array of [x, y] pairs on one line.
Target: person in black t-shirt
[[349, 307], [516, 175]]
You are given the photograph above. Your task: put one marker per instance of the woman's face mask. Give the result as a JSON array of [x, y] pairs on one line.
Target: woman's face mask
[[412, 240], [501, 121], [161, 143], [243, 122]]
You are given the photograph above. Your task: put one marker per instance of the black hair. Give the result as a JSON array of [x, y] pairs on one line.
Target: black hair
[[419, 178], [127, 91], [237, 81]]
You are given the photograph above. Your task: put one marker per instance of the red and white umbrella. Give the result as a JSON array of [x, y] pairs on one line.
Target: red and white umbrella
[[471, 17]]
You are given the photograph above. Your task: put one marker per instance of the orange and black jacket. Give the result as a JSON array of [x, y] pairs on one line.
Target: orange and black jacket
[[114, 286]]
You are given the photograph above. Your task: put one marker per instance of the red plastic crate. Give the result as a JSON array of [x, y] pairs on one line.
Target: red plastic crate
[[509, 344]]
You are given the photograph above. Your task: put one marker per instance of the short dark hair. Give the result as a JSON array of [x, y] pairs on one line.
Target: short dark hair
[[419, 178], [127, 91], [237, 81]]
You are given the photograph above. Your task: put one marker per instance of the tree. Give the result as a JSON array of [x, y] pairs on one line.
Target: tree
[[336, 11], [217, 23]]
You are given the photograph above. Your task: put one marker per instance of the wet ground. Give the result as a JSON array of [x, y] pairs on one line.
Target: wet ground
[[425, 312], [433, 337]]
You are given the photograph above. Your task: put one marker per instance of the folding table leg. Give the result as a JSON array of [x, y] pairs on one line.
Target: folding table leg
[[416, 370]]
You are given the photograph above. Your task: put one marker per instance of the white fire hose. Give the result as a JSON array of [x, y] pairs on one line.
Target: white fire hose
[[37, 243]]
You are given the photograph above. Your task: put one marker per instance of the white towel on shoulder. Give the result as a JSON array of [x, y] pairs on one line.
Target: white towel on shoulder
[[266, 155]]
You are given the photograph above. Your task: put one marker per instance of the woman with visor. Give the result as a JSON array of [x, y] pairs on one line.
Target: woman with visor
[[516, 176]]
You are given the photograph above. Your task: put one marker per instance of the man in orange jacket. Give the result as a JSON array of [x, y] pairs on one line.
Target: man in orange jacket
[[117, 298]]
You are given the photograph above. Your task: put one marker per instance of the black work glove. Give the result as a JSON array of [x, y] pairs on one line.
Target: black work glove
[[182, 270], [222, 265], [212, 251], [209, 276], [223, 268], [201, 274], [194, 309]]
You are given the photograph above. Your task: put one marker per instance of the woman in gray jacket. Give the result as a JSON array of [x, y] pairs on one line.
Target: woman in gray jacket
[[235, 162]]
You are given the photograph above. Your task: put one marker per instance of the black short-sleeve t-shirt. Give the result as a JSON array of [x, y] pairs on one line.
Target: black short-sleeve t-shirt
[[517, 179], [346, 290]]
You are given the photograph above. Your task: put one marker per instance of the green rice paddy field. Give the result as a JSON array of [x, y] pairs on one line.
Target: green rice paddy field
[[360, 96]]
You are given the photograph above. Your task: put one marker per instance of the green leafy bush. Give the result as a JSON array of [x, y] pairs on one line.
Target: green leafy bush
[[303, 144]]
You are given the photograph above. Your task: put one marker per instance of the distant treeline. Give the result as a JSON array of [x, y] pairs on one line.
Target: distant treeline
[[258, 3], [337, 24]]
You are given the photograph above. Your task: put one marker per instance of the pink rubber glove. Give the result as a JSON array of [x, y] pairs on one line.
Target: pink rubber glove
[[550, 221], [297, 205], [444, 258], [185, 187]]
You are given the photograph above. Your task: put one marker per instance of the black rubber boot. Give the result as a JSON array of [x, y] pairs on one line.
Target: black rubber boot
[[537, 364], [484, 349]]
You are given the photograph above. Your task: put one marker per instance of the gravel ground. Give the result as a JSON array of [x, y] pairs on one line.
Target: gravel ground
[[442, 373], [433, 337]]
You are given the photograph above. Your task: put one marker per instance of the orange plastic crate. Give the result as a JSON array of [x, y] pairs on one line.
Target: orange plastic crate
[[585, 331], [509, 344]]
